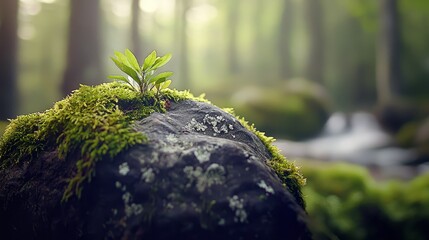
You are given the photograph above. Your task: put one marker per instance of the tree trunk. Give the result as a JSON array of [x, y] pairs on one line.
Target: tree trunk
[[285, 33], [182, 26], [136, 41], [315, 60], [388, 48], [259, 39], [83, 52], [232, 25], [8, 58]]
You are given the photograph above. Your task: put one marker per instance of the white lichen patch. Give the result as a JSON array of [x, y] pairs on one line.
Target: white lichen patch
[[196, 126], [250, 158], [237, 205], [133, 209], [203, 153], [192, 174], [130, 208], [119, 185], [172, 138], [148, 175], [126, 197], [218, 124], [214, 174], [268, 189], [169, 206], [124, 168]]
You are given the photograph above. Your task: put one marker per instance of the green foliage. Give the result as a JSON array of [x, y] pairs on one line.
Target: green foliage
[[344, 202], [142, 77]]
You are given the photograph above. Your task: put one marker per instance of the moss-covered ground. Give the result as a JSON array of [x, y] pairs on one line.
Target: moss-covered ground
[[345, 202], [95, 123]]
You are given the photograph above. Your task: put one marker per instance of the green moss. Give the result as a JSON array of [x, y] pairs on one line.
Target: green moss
[[94, 123], [2, 127], [176, 96], [91, 124], [345, 202]]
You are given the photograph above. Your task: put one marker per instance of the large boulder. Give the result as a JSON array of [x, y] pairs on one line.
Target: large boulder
[[202, 174], [296, 111]]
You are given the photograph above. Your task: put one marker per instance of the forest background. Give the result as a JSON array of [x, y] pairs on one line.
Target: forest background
[[286, 65]]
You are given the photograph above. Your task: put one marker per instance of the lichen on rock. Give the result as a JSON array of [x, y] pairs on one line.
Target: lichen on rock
[[128, 165]]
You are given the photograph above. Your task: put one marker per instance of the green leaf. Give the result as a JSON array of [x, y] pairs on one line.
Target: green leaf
[[161, 61], [129, 71], [165, 85], [159, 81], [132, 60], [149, 61], [118, 77], [123, 79], [122, 58], [160, 76]]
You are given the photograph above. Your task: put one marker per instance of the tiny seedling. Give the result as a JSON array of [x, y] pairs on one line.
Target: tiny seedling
[[142, 78]]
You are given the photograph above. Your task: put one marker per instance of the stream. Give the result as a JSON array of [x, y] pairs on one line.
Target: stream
[[356, 138]]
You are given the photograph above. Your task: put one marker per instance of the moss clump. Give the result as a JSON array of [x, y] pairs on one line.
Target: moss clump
[[2, 127], [95, 123]]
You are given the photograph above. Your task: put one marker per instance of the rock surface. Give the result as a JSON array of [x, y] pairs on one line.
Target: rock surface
[[202, 175]]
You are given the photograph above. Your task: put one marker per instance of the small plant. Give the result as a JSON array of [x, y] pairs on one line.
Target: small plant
[[142, 78]]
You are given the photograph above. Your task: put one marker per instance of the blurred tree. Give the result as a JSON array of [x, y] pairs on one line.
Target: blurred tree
[[8, 58], [83, 53], [182, 7], [285, 33], [388, 48], [136, 40], [232, 26], [258, 38], [315, 29], [414, 48], [350, 31]]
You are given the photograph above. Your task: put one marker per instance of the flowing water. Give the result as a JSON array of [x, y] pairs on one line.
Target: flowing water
[[356, 138]]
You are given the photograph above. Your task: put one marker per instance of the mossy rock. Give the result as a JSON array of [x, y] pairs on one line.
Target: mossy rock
[[108, 162], [415, 135], [396, 114], [291, 112]]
